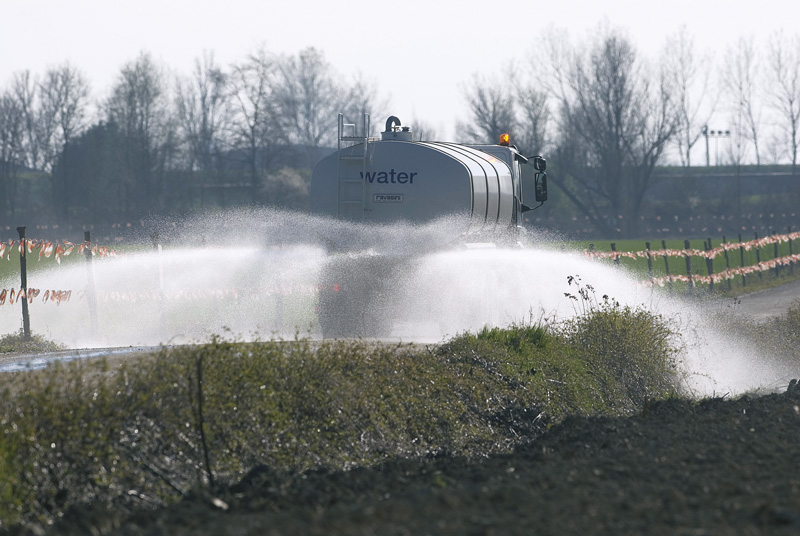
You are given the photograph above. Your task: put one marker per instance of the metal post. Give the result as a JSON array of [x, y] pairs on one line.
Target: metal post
[[23, 270], [91, 294], [666, 264], [687, 246], [727, 260], [614, 249], [649, 261], [775, 256], [758, 258], [709, 265], [162, 313], [741, 261]]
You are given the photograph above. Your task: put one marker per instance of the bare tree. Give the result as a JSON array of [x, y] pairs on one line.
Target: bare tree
[[204, 116], [534, 118], [691, 76], [69, 88], [256, 123], [138, 105], [491, 109], [738, 152], [64, 99], [740, 74], [12, 157], [25, 92], [362, 97], [776, 149], [616, 118], [784, 88], [309, 100], [423, 131]]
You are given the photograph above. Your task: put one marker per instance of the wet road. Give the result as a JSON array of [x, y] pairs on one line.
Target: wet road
[[22, 362], [765, 304]]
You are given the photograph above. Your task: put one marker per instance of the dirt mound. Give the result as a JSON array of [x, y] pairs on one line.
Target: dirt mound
[[680, 467]]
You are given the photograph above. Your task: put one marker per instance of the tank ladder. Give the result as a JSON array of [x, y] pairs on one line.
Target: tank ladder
[[352, 188]]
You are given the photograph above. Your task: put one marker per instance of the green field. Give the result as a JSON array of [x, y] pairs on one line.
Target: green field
[[677, 265]]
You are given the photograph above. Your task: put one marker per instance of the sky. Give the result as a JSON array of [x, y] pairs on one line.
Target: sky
[[419, 53]]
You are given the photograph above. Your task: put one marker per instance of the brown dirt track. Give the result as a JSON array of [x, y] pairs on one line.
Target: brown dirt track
[[681, 467]]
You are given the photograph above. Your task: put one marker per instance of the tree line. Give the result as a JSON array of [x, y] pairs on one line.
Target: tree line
[[237, 134], [248, 133], [607, 115]]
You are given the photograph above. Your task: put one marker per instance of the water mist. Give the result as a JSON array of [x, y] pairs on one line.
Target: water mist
[[256, 274]]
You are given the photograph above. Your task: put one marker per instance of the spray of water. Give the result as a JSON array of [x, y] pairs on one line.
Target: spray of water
[[257, 273]]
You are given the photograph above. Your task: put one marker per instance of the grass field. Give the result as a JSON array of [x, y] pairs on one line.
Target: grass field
[[677, 265]]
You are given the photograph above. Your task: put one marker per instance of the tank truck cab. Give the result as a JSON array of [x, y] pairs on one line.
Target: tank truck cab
[[396, 178], [529, 173]]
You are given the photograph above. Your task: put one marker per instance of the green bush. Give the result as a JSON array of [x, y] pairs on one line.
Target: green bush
[[631, 353], [19, 343]]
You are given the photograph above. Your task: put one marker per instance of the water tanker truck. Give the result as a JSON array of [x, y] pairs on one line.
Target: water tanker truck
[[398, 179]]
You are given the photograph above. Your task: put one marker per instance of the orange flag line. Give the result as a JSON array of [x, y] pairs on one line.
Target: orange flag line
[[710, 254], [727, 274], [47, 248], [13, 296]]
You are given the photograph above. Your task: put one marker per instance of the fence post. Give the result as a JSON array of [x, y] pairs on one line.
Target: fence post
[[776, 253], [791, 264], [758, 258], [23, 271], [709, 265], [614, 248], [687, 246], [727, 261], [91, 294], [741, 261], [649, 261], [666, 264], [162, 313]]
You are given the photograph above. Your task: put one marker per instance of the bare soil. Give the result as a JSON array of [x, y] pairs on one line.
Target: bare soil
[[680, 467]]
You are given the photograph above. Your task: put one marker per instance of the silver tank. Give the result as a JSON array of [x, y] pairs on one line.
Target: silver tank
[[400, 179]]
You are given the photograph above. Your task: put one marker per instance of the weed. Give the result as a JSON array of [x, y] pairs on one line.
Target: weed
[[19, 343]]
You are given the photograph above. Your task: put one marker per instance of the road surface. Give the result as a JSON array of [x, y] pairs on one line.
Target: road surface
[[764, 304]]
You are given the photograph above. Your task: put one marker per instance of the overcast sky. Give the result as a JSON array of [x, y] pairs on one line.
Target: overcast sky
[[419, 52]]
